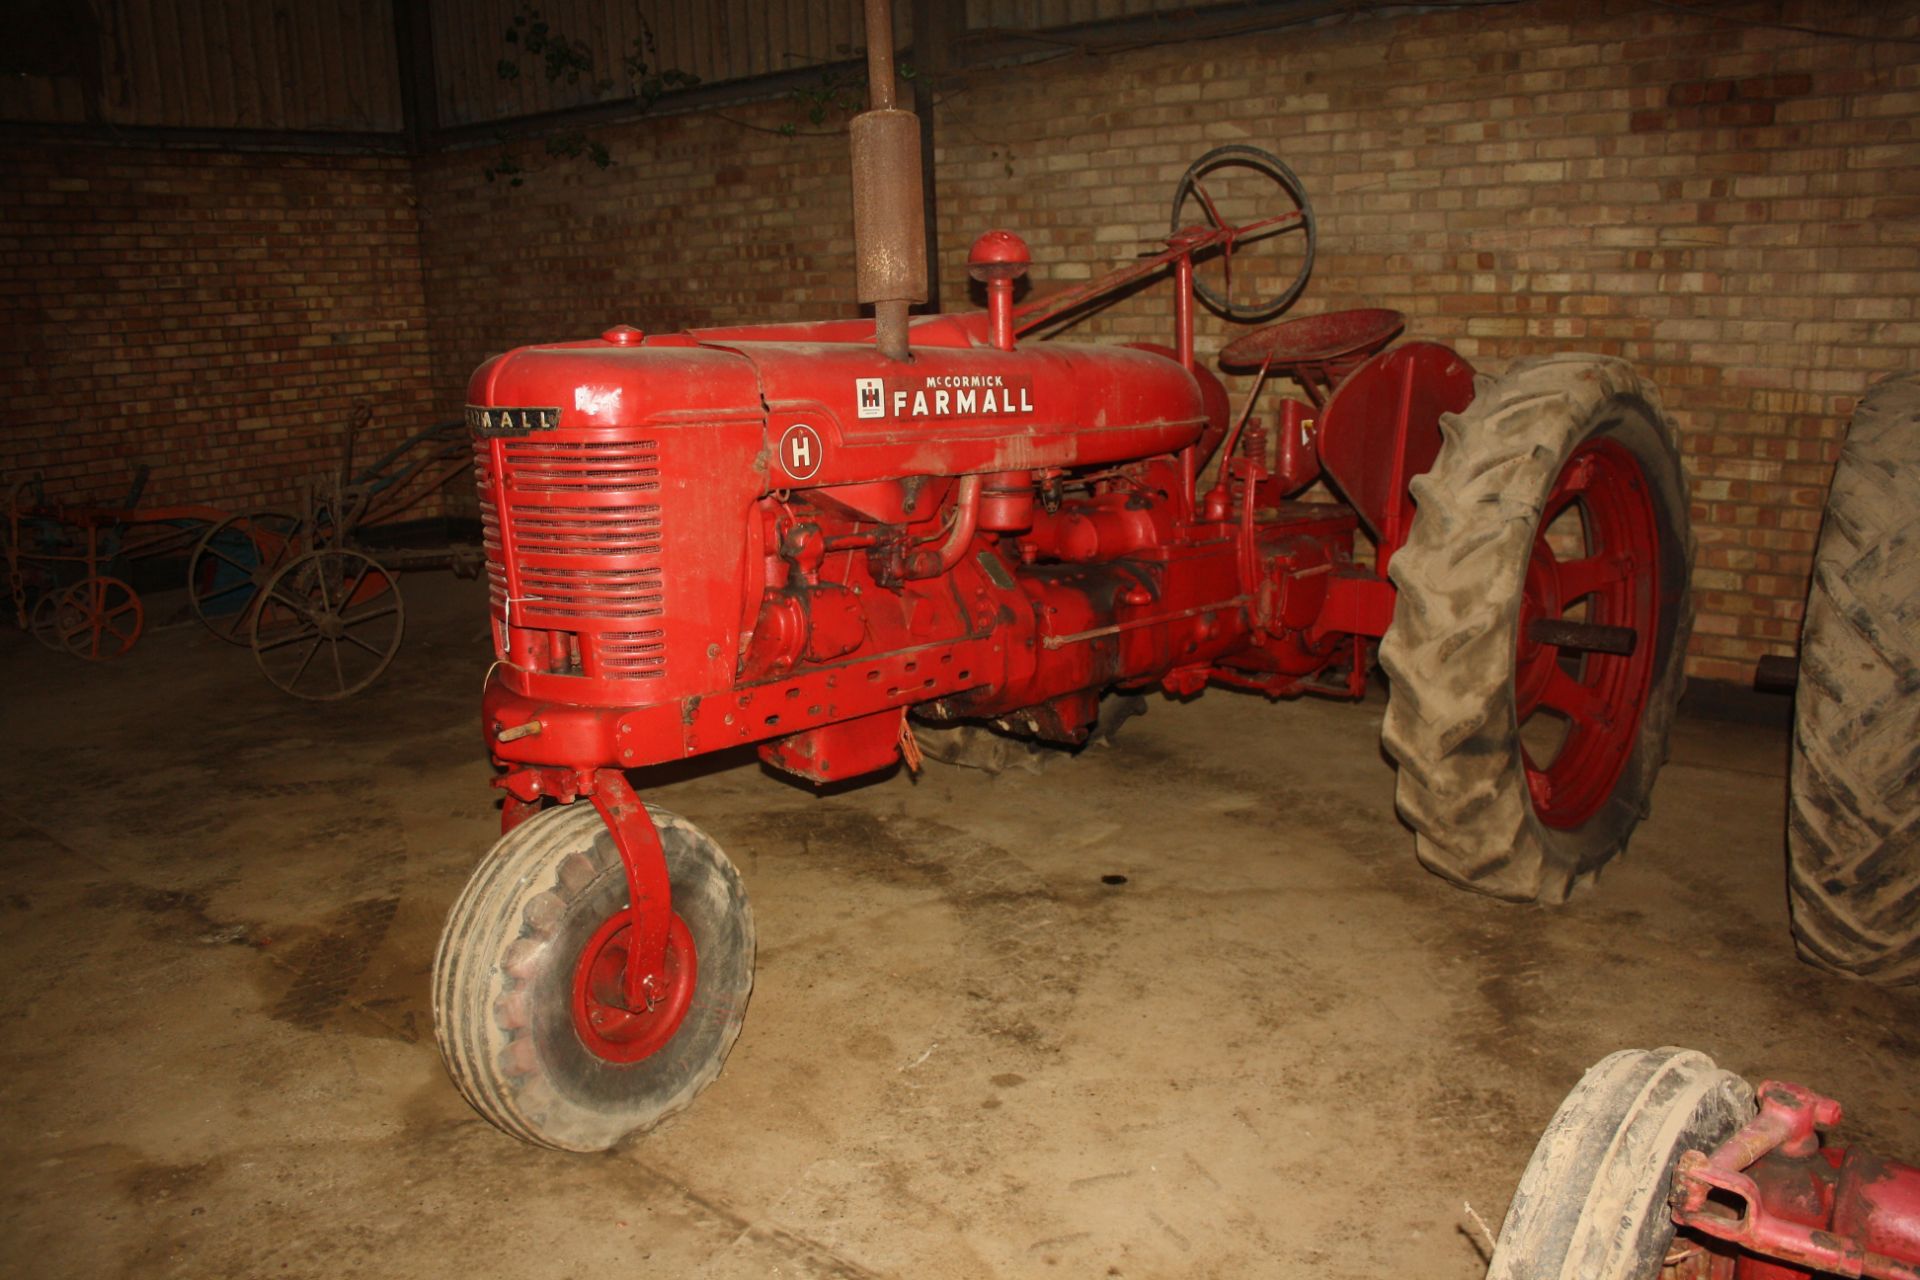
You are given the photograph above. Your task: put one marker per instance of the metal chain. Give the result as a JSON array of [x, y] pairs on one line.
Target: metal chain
[[16, 580]]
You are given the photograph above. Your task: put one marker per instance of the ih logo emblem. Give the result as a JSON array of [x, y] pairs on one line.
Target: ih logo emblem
[[801, 451], [872, 396]]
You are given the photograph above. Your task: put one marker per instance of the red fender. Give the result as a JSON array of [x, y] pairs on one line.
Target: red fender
[[1382, 428]]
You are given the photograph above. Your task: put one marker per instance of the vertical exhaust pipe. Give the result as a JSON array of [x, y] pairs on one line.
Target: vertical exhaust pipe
[[889, 226]]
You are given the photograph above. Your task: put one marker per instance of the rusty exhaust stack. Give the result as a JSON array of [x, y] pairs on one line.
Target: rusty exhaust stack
[[889, 228]]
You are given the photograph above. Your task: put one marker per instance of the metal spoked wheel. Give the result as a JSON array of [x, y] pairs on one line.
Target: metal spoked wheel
[[327, 624], [1265, 266], [44, 622], [232, 562], [98, 618]]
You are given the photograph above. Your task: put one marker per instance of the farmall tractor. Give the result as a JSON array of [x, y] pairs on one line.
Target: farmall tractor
[[807, 536]]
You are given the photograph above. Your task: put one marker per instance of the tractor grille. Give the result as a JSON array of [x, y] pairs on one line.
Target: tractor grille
[[636, 655], [588, 466], [584, 520]]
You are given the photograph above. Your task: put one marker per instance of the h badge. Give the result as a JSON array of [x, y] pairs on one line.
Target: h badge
[[801, 451]]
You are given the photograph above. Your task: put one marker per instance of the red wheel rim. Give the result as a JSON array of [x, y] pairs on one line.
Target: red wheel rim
[[1600, 697], [609, 1028], [99, 618]]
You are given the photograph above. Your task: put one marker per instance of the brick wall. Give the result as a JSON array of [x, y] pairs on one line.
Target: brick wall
[[1732, 207], [701, 219], [1735, 208], [215, 316]]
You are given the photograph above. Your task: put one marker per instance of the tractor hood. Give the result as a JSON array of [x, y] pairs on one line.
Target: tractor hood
[[958, 406]]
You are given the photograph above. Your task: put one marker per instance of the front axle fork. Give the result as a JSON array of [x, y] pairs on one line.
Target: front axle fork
[[644, 860]]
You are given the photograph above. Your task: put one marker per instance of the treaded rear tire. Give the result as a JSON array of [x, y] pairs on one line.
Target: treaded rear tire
[[503, 972], [1452, 720], [1592, 1204], [1853, 827]]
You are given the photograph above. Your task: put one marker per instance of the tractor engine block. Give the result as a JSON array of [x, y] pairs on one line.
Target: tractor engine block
[[709, 539]]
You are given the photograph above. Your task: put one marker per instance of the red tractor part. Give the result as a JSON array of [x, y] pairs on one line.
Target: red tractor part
[[1658, 1164], [1319, 351], [809, 537], [1795, 1208]]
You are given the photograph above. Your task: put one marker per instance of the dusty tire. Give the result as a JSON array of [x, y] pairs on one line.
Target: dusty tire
[[1853, 829], [1592, 1204], [504, 975], [1478, 567]]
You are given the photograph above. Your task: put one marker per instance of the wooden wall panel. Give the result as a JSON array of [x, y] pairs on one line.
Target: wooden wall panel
[[214, 64], [717, 40]]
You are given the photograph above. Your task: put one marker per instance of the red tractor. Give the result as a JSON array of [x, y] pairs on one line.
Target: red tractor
[[807, 536]]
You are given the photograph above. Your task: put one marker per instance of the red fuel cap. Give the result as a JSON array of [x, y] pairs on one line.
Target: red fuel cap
[[998, 255]]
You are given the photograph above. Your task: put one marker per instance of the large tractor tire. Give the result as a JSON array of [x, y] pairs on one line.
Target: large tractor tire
[[1592, 1204], [1853, 829], [1557, 501], [531, 950]]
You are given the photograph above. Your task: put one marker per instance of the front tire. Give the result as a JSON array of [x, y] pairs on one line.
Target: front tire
[[520, 1030], [1853, 830], [1592, 1204], [1523, 766]]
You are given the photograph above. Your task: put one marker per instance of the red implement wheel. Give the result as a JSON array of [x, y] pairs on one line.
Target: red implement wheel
[[327, 624], [1539, 638], [98, 618], [527, 997], [232, 562]]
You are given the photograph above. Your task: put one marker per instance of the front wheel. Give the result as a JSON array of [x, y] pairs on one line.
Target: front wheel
[[1539, 638], [526, 983], [1592, 1204]]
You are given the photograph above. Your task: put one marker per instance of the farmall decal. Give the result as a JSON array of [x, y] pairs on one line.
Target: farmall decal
[[488, 422], [943, 395]]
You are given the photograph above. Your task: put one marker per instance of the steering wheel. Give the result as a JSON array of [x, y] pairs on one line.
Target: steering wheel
[[1192, 198]]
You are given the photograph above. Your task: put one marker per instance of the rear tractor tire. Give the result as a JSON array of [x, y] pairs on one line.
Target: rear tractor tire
[[1592, 1204], [1853, 828], [532, 948], [1557, 498]]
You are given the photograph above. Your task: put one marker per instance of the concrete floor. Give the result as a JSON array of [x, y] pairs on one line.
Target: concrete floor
[[1279, 1049]]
